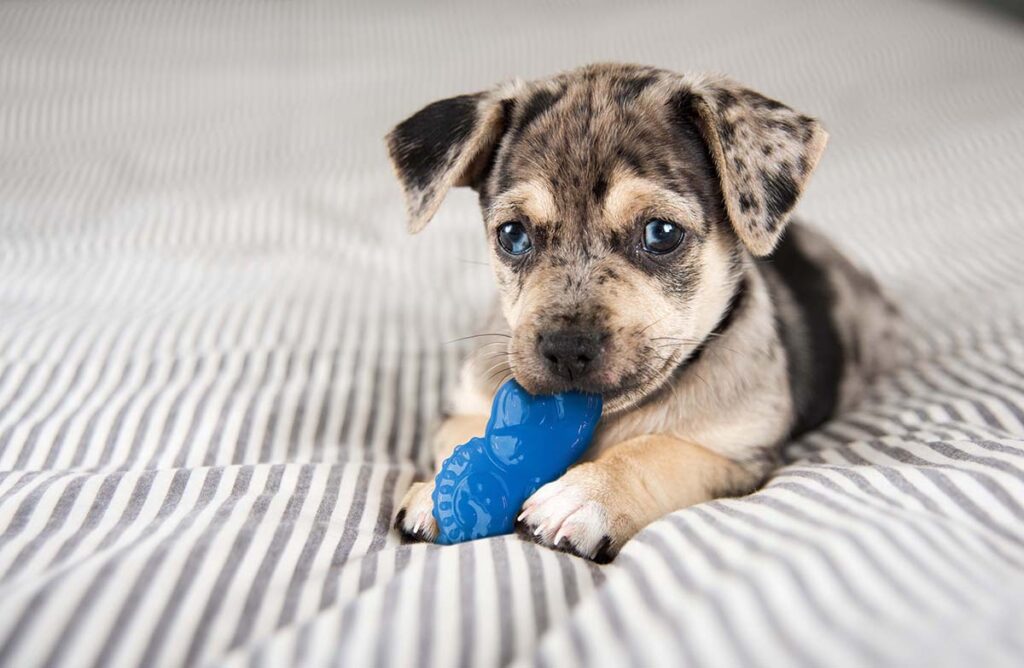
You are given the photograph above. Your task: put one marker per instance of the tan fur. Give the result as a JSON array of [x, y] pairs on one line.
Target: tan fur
[[637, 307], [582, 160], [597, 505], [720, 403], [532, 199], [630, 196]]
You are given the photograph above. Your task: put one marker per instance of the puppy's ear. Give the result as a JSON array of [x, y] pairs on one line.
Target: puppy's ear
[[447, 143], [764, 153]]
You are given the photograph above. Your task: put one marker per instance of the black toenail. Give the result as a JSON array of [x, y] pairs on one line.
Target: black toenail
[[603, 554]]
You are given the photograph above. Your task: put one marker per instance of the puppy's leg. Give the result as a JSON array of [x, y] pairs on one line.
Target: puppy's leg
[[597, 506], [415, 518]]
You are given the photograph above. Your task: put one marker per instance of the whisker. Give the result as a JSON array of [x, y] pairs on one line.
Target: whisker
[[681, 338], [494, 354], [497, 366], [716, 350], [651, 325], [674, 386], [706, 383], [676, 338], [499, 372], [476, 336]]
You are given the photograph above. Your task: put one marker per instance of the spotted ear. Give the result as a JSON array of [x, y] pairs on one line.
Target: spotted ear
[[763, 150], [447, 143]]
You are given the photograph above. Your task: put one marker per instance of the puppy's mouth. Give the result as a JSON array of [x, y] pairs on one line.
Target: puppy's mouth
[[619, 394], [634, 390]]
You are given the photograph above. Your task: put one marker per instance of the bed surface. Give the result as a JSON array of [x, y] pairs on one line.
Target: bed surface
[[220, 354]]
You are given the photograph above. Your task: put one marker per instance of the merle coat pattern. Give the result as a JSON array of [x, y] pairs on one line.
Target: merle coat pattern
[[710, 354]]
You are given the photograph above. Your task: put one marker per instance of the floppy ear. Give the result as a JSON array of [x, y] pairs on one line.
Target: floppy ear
[[447, 143], [764, 153]]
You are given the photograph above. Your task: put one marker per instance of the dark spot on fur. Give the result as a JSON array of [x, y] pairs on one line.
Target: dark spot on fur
[[533, 108], [420, 145], [725, 321], [814, 353], [629, 89], [600, 188], [725, 98], [784, 125], [766, 149], [632, 160], [662, 170], [542, 235], [616, 239], [697, 173], [507, 109], [747, 203], [781, 192], [726, 132], [504, 180], [684, 111], [759, 101], [806, 123], [606, 275]]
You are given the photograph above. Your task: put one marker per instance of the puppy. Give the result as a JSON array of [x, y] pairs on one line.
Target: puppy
[[638, 225]]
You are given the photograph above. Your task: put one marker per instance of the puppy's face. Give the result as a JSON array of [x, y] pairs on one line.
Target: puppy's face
[[618, 203], [605, 226]]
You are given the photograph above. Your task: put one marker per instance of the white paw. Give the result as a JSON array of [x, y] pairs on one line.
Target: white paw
[[415, 518], [574, 514]]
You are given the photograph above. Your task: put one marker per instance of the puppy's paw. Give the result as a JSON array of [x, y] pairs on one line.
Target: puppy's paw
[[581, 513], [415, 518]]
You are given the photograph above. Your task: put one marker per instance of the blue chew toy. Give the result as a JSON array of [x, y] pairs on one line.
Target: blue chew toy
[[529, 441]]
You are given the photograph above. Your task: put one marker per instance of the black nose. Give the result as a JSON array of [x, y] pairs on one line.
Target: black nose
[[570, 353]]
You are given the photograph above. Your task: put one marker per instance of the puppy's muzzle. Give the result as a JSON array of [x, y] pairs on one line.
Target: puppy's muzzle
[[571, 354]]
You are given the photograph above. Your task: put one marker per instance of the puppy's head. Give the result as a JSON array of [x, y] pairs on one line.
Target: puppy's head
[[619, 203]]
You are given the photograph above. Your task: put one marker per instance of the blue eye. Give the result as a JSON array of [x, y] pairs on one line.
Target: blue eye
[[513, 239], [661, 236]]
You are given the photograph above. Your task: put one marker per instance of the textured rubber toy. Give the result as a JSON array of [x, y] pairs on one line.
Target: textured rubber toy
[[530, 440]]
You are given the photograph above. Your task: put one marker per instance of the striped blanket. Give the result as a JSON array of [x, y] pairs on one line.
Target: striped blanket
[[220, 354]]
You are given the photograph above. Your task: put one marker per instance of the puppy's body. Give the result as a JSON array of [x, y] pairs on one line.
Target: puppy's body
[[638, 225]]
